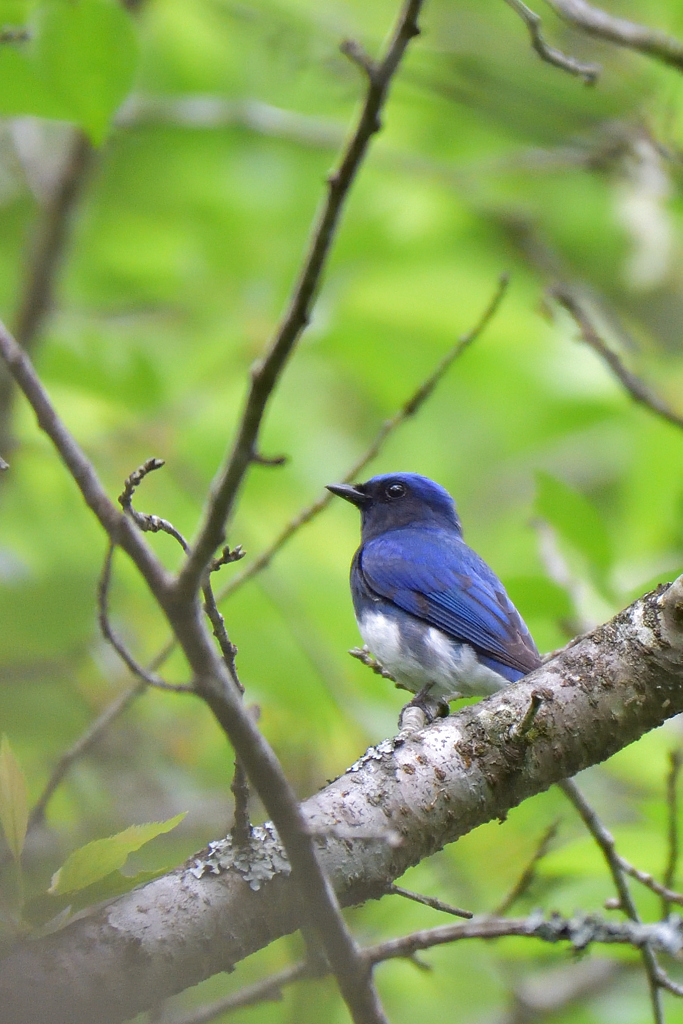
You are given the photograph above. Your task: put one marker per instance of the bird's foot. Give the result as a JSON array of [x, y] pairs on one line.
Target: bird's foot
[[422, 710]]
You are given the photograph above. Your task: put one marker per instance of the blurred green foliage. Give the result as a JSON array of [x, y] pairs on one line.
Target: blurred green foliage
[[180, 258]]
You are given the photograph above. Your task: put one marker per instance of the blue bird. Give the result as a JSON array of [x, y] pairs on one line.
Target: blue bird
[[427, 606]]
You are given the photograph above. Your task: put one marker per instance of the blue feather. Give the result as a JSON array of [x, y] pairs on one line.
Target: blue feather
[[448, 585]]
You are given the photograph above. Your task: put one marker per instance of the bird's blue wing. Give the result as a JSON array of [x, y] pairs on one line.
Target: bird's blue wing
[[435, 576]]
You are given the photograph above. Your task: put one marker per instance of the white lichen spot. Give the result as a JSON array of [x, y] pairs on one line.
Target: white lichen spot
[[262, 859]]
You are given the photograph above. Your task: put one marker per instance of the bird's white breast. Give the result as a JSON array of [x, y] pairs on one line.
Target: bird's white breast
[[417, 654]]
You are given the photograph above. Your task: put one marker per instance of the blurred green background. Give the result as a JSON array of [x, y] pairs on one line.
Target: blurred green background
[[181, 251]]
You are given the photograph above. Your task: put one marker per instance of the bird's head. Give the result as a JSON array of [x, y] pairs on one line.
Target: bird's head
[[393, 500]]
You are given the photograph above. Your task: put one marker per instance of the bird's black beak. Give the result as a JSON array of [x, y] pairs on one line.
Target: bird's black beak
[[349, 493]]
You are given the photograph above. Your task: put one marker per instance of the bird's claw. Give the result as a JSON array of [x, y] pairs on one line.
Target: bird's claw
[[422, 711]]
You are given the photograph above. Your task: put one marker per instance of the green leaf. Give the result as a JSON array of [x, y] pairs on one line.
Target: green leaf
[[22, 90], [86, 53], [575, 519], [100, 858], [43, 908], [13, 799]]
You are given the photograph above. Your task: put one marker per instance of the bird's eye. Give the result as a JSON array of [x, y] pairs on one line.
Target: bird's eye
[[395, 490]]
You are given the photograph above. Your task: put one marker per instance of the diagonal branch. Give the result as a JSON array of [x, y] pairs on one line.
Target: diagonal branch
[[588, 72], [638, 390], [266, 372], [46, 254], [596, 22], [605, 841]]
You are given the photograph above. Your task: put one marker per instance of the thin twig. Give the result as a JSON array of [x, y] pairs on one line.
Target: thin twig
[[46, 253], [528, 875], [675, 762], [429, 901], [148, 678], [581, 931], [266, 372], [588, 72], [668, 895], [637, 388], [267, 990], [155, 524], [519, 731], [10, 34], [269, 460], [241, 826], [596, 22], [605, 841], [241, 830]]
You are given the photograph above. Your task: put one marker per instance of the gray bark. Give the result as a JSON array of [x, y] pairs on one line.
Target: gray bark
[[401, 802]]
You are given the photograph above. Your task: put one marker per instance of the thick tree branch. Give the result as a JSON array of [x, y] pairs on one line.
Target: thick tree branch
[[601, 693], [596, 22], [267, 371]]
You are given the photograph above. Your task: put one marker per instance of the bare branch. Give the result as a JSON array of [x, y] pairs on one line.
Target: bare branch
[[638, 389], [46, 254], [675, 762], [429, 901], [596, 22], [119, 529], [148, 678], [355, 52], [267, 990], [214, 681], [668, 895], [10, 34], [588, 72], [605, 841], [581, 931], [241, 828], [267, 371], [227, 556], [265, 460]]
